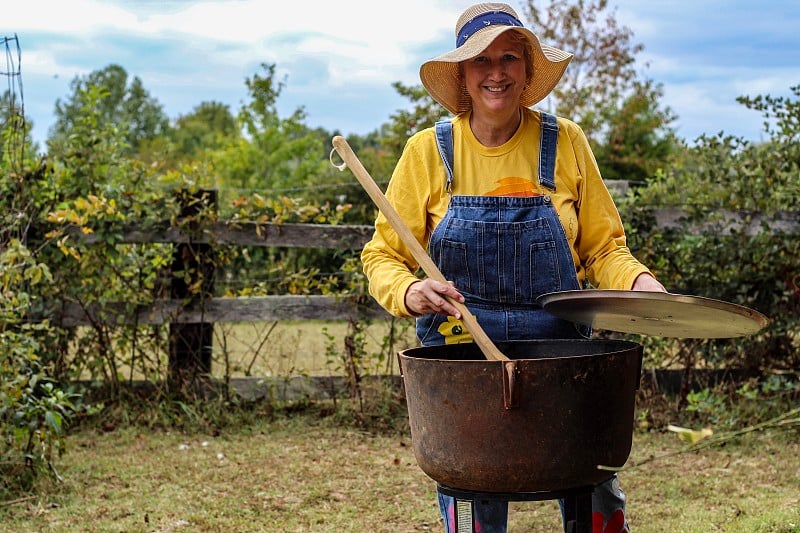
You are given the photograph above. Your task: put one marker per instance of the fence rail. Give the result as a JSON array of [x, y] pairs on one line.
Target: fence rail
[[245, 234], [217, 310]]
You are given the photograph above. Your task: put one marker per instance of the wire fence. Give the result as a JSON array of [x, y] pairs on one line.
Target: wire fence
[[12, 104]]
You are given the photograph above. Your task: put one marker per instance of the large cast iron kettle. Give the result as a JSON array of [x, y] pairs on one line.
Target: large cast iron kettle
[[567, 407]]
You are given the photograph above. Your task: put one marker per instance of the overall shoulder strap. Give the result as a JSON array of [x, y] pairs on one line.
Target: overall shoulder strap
[[547, 149], [548, 143], [444, 141]]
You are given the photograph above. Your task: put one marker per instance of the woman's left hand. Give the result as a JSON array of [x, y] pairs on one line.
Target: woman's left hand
[[646, 282]]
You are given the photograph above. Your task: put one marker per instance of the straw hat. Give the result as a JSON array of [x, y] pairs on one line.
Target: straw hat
[[476, 29]]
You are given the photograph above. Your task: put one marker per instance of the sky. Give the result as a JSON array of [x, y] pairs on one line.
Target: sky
[[338, 60]]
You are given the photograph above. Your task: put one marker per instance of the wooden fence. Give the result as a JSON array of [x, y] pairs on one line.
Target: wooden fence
[[191, 319], [249, 309]]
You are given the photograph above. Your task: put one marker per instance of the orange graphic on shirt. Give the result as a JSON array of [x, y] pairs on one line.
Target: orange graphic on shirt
[[514, 186]]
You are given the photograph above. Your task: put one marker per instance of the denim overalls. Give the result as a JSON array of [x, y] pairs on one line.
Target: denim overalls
[[502, 253]]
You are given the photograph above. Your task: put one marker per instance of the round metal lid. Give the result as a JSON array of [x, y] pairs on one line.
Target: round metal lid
[[656, 314]]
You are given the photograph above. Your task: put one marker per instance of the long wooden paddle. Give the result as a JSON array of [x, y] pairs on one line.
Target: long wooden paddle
[[490, 351]]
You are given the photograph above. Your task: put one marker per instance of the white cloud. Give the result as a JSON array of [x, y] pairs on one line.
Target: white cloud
[[67, 17], [337, 53]]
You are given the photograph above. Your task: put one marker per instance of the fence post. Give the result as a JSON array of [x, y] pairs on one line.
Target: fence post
[[190, 344]]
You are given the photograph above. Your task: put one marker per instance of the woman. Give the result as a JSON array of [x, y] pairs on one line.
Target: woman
[[511, 205]]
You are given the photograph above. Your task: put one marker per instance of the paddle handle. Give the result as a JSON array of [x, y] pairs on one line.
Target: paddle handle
[[426, 263]]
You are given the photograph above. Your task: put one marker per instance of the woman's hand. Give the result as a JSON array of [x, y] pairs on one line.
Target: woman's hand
[[428, 296], [646, 282]]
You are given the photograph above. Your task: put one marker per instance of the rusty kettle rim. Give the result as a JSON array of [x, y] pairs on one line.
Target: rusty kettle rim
[[516, 350]]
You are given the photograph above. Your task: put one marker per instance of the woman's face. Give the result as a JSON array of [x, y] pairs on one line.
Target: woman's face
[[496, 78]]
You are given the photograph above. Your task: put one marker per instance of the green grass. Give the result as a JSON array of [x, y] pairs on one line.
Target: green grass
[[288, 348], [311, 475], [297, 346]]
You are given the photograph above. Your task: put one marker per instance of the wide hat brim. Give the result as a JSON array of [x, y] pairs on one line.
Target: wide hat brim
[[441, 78]]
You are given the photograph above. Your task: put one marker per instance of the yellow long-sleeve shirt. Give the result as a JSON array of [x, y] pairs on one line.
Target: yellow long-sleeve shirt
[[417, 191]]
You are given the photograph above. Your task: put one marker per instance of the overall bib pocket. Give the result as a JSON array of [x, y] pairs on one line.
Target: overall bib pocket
[[504, 262]]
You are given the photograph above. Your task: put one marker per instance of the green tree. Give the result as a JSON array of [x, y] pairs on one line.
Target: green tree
[[423, 113], [380, 150], [637, 141], [128, 106], [275, 155], [604, 66], [210, 126], [602, 90], [89, 156], [781, 114]]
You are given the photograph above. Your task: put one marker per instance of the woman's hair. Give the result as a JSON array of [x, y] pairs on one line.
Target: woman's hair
[[518, 38]]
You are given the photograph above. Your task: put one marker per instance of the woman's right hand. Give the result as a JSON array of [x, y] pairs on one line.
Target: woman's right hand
[[428, 296]]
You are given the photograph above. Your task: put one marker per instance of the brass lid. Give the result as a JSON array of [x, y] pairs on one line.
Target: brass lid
[[656, 314]]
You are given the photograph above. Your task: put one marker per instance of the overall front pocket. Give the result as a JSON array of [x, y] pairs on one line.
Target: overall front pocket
[[505, 262]]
